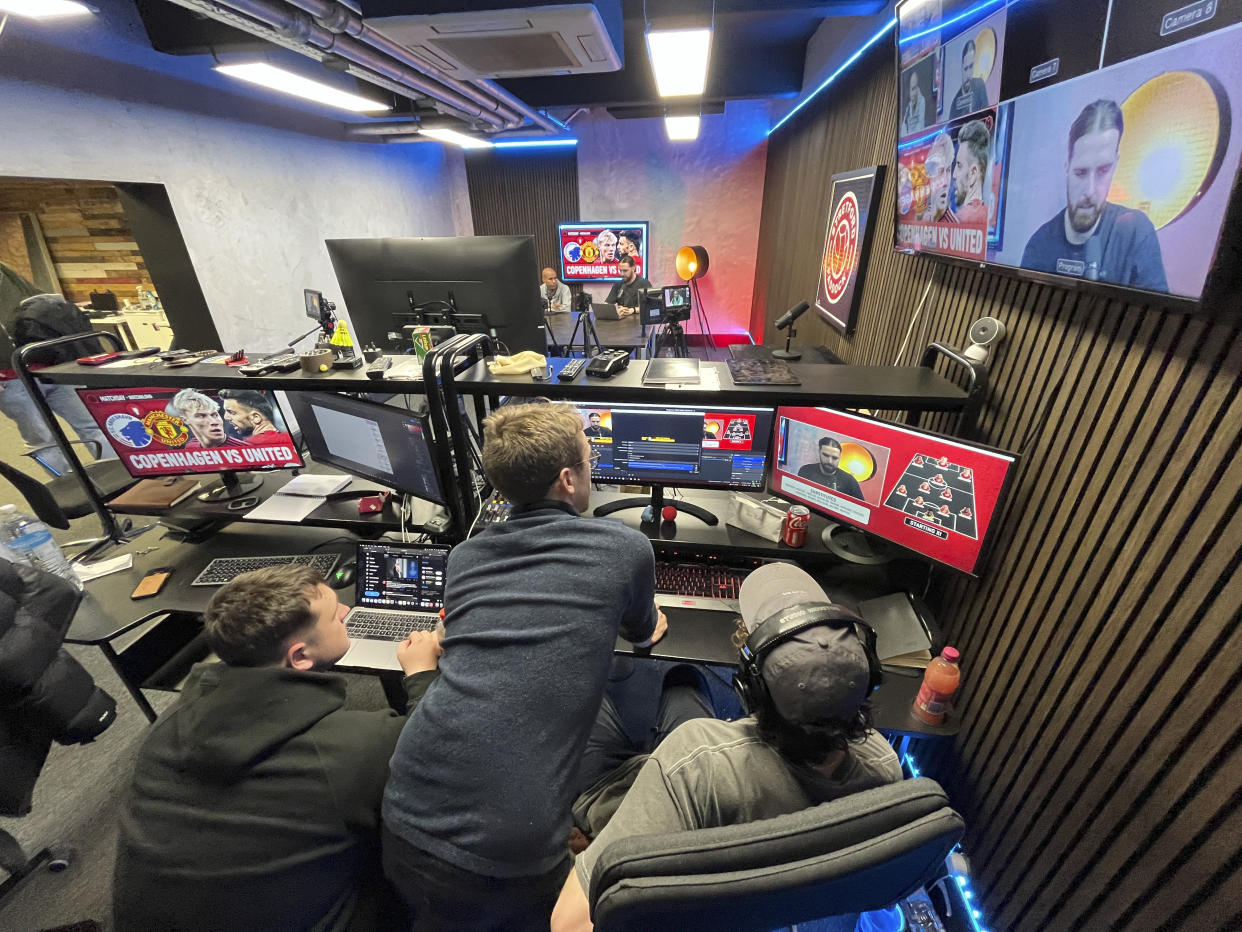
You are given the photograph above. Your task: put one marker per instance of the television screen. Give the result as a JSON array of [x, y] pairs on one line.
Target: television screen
[[590, 251], [1079, 140], [931, 494], [678, 445], [170, 432]]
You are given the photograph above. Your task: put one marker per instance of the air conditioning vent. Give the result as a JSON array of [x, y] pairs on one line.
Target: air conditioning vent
[[529, 42]]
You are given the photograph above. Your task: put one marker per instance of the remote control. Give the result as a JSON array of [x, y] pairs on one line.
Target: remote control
[[284, 363], [376, 369], [571, 370]]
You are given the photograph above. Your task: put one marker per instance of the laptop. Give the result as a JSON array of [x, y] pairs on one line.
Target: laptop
[[399, 588], [606, 311]]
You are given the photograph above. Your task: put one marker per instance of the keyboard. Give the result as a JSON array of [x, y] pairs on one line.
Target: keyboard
[[376, 625], [698, 580], [223, 569]]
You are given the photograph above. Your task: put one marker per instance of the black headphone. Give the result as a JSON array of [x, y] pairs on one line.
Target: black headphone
[[776, 629]]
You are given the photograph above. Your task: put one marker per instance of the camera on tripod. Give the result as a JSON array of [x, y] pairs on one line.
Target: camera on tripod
[[667, 305]]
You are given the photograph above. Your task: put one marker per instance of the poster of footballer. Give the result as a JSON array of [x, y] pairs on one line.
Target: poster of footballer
[[166, 431], [846, 245]]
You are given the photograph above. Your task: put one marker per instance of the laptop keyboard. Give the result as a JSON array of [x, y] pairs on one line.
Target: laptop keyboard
[[388, 626], [223, 569], [696, 579]]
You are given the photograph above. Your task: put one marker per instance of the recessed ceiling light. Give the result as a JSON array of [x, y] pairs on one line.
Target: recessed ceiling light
[[679, 60], [681, 127], [456, 138], [44, 9], [278, 79]]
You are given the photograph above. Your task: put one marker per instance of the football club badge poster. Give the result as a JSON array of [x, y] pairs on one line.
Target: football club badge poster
[[846, 244]]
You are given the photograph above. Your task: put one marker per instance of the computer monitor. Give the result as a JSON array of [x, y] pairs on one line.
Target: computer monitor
[[174, 432], [935, 495], [391, 446], [474, 283], [684, 446]]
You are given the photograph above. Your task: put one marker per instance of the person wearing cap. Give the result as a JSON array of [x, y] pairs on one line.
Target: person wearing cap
[[809, 740]]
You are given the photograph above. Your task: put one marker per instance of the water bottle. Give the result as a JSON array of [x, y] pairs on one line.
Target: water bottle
[[8, 517], [33, 543]]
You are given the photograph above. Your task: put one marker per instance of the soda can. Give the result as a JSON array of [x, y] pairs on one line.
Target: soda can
[[793, 529]]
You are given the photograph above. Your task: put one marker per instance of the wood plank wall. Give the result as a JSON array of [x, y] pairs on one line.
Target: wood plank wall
[[84, 225], [523, 191], [1100, 758]]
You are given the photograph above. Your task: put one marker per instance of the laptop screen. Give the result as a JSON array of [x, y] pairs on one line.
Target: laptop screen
[[401, 577]]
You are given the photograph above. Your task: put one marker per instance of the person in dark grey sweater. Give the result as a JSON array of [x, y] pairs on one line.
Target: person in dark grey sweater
[[255, 800], [477, 810]]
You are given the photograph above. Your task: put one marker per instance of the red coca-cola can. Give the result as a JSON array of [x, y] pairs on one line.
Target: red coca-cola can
[[793, 529]]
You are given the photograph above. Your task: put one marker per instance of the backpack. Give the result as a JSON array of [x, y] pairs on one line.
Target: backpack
[[47, 316]]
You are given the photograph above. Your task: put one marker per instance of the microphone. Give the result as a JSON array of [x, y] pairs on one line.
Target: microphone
[[787, 319]]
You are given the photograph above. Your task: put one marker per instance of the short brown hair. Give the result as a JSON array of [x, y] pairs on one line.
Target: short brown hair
[[525, 447], [249, 620]]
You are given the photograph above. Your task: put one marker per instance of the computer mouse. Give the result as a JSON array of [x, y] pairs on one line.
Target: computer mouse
[[343, 576]]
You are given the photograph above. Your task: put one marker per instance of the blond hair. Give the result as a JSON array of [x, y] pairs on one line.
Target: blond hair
[[525, 447], [190, 401]]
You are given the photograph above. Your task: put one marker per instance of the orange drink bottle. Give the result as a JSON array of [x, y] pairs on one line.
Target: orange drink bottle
[[940, 681]]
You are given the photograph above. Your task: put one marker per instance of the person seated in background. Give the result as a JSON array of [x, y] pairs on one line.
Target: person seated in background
[[555, 292], [627, 294], [808, 740], [477, 811], [255, 800]]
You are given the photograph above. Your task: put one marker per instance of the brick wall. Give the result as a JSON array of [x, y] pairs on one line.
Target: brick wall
[[86, 232]]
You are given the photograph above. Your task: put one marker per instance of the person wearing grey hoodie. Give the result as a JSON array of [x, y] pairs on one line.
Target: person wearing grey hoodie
[[255, 801]]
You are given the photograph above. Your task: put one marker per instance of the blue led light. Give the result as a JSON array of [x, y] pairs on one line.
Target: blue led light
[[920, 139], [885, 30], [532, 143], [949, 22]]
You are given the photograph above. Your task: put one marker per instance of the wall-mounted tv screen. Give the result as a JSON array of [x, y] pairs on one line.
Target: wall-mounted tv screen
[[1089, 140], [931, 494], [590, 252]]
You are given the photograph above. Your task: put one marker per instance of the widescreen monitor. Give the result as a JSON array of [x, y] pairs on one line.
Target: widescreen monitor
[[1076, 141], [173, 432], [388, 445], [934, 495], [477, 284], [592, 251]]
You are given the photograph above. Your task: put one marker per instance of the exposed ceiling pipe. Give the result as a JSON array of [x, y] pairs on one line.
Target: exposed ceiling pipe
[[299, 31], [340, 18], [396, 128]]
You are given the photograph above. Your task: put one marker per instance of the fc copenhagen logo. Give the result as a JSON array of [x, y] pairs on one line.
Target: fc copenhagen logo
[[842, 251]]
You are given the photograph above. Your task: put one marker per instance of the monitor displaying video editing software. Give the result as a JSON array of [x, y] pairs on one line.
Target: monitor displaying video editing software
[[174, 432], [935, 495], [404, 578], [679, 445], [391, 446]]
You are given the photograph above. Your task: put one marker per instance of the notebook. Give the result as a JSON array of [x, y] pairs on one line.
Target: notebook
[[398, 588], [156, 493], [664, 370]]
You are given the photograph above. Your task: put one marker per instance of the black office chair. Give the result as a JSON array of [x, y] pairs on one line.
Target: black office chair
[[862, 852], [59, 501]]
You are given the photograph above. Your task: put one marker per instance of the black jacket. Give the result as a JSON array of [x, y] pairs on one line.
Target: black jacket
[[44, 693], [255, 805]]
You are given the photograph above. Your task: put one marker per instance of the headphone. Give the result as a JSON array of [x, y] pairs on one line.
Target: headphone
[[776, 629]]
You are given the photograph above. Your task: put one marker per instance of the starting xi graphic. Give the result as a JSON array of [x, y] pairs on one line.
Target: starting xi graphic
[[936, 492]]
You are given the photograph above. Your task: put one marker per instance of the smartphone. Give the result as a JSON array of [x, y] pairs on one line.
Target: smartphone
[[98, 359], [152, 583], [541, 374]]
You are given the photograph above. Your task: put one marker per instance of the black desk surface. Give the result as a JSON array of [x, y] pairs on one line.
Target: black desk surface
[[705, 637], [882, 387], [626, 333]]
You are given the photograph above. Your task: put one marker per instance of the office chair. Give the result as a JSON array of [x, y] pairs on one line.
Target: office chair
[[62, 499], [862, 852]]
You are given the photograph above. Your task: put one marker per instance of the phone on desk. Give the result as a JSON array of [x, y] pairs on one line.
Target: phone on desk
[[152, 583]]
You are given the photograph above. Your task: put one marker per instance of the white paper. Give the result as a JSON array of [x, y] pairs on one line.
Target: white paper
[[314, 485], [284, 508], [86, 572]]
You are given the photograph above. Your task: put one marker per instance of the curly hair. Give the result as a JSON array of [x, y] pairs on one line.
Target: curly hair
[[805, 743]]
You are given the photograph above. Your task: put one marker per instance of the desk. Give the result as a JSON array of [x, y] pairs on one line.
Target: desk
[[626, 334]]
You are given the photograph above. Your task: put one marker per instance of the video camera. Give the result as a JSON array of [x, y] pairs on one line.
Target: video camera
[[667, 305]]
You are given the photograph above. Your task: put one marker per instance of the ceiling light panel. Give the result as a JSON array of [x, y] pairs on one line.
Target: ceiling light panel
[[456, 138], [43, 9], [682, 128], [679, 60], [278, 79]]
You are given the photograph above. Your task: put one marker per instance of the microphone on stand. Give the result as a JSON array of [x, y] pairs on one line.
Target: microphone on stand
[[786, 321]]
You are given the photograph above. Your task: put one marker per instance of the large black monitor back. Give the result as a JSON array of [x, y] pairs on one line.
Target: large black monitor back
[[493, 276]]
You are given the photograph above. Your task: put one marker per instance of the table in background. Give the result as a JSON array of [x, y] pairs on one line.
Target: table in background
[[626, 334]]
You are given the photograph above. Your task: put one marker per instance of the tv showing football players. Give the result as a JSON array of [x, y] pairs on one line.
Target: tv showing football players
[[591, 252]]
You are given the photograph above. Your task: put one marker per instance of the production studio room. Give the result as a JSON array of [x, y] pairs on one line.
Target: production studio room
[[668, 464]]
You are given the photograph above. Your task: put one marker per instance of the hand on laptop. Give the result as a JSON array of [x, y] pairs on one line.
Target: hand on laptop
[[419, 652], [661, 626]]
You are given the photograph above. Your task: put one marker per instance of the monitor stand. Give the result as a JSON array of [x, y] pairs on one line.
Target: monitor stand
[[855, 546], [232, 485], [657, 505]]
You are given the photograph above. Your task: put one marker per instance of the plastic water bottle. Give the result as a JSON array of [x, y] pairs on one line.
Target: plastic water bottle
[[33, 543]]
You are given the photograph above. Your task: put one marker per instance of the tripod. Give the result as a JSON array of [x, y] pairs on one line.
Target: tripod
[[586, 324], [672, 337], [709, 339]]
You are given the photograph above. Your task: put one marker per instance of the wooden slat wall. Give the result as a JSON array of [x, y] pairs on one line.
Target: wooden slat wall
[[524, 191], [1100, 758], [86, 232]]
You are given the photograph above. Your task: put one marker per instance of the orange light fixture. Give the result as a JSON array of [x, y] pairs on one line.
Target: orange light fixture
[[692, 262], [857, 461]]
